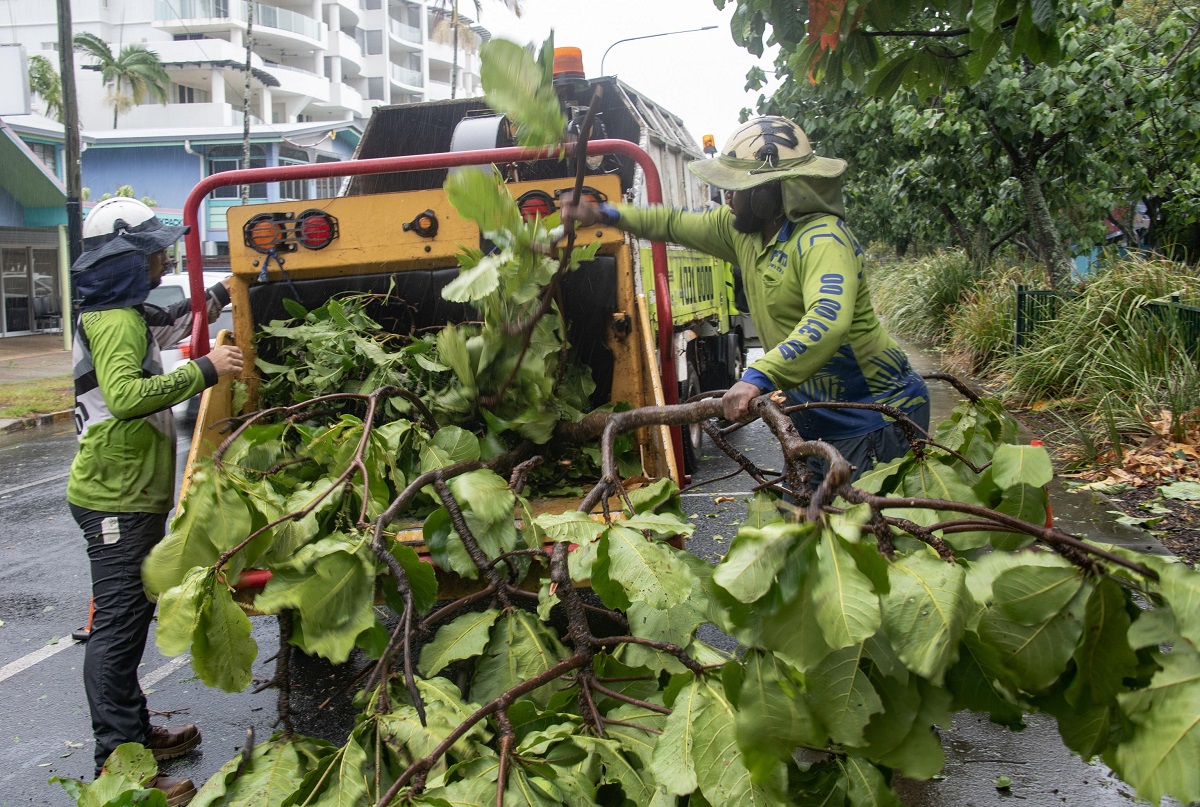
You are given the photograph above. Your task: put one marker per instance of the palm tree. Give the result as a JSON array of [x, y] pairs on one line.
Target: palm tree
[[452, 27], [45, 83], [137, 66]]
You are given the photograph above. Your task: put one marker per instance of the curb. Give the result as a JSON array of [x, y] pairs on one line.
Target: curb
[[34, 421]]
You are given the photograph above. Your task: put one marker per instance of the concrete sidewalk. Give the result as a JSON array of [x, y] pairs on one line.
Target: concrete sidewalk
[[28, 358]]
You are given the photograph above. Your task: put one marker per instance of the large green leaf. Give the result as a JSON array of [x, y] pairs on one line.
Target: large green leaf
[[1033, 656], [720, 771], [222, 648], [341, 779], [755, 557], [521, 647], [179, 611], [1159, 757], [1021, 465], [464, 637], [1030, 595], [646, 570], [847, 605], [1104, 658], [274, 771], [923, 614], [674, 761], [517, 86], [212, 518], [331, 583], [842, 696], [1180, 586], [866, 785], [478, 281], [902, 735], [774, 716], [572, 526]]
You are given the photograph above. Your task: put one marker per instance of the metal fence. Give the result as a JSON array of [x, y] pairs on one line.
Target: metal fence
[[1036, 307]]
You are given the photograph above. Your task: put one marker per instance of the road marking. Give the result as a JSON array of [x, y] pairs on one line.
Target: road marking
[[27, 485], [154, 676], [25, 662]]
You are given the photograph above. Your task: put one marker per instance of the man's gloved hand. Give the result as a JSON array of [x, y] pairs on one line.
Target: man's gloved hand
[[736, 401], [586, 213]]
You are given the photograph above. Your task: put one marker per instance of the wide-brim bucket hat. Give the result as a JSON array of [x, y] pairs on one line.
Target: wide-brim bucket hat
[[763, 150]]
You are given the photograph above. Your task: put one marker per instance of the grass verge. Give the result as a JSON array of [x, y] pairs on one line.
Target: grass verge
[[35, 397]]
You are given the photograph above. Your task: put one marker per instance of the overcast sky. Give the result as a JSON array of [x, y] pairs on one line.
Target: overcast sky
[[698, 76]]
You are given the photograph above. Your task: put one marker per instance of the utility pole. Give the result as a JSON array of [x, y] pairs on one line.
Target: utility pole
[[246, 97], [66, 67]]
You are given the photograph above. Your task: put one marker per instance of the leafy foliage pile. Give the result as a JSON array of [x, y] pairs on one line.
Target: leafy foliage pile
[[866, 613]]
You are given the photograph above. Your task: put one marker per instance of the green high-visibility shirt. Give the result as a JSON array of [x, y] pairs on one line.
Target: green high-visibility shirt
[[126, 459], [821, 338]]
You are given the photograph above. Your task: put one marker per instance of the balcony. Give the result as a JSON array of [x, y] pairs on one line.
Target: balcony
[[406, 76], [297, 81], [346, 97], [270, 22], [193, 116], [351, 10], [404, 32], [350, 51], [273, 20]]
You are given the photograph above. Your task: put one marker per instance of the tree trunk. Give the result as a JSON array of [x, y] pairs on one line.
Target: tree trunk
[[1049, 245], [960, 231]]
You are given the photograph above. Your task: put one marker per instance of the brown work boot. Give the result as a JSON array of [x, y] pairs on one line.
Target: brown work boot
[[179, 791], [167, 744]]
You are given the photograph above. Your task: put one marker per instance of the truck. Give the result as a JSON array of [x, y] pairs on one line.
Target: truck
[[392, 226]]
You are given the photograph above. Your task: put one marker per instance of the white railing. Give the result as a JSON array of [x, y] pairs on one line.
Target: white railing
[[172, 10], [284, 19], [406, 75], [404, 31]]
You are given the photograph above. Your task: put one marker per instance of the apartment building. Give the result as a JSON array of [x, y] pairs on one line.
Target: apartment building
[[313, 60]]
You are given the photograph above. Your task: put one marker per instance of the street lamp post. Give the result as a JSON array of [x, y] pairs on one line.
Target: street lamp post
[[649, 36]]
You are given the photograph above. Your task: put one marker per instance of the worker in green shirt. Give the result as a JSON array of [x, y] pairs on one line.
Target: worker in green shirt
[[122, 481], [802, 269]]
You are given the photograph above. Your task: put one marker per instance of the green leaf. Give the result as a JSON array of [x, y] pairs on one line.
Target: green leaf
[[179, 611], [1021, 465], [331, 584], [755, 557], [1182, 491], [422, 580], [516, 86], [720, 771], [774, 716], [1030, 595], [1103, 659], [847, 605], [674, 762], [464, 637], [866, 785], [1180, 586], [842, 696], [449, 445], [902, 734], [1159, 757], [222, 648], [645, 569], [478, 281], [923, 614], [572, 526], [1033, 656], [212, 518], [520, 648], [480, 196], [340, 780], [274, 771]]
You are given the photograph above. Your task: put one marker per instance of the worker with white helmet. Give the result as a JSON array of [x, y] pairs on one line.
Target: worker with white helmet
[[802, 270], [122, 481]]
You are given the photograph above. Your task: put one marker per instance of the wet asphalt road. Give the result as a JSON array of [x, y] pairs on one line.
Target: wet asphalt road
[[44, 582]]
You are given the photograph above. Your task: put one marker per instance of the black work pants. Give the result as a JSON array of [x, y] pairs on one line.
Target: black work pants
[[866, 451], [117, 543]]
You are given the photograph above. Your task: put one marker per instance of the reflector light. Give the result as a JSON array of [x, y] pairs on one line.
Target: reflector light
[[185, 348], [265, 233], [316, 229], [535, 204]]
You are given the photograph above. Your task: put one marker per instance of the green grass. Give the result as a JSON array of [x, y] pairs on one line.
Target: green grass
[[36, 397], [915, 298]]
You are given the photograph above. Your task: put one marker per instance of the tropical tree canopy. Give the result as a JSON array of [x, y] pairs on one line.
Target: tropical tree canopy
[[45, 84], [136, 68], [1046, 148]]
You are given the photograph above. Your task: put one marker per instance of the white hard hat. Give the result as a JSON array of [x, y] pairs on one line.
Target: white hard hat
[[122, 215], [763, 150]]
